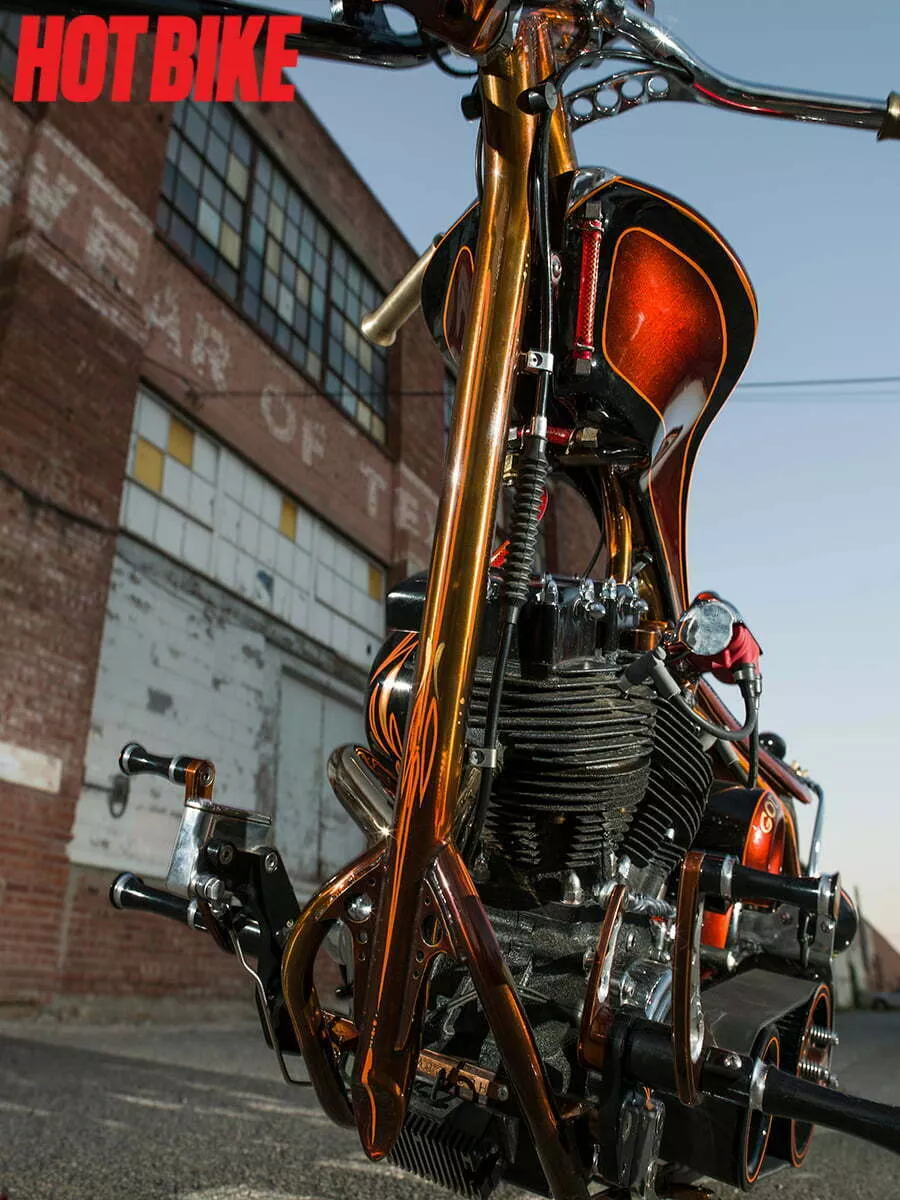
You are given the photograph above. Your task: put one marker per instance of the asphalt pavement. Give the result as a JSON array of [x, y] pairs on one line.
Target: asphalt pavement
[[147, 1112]]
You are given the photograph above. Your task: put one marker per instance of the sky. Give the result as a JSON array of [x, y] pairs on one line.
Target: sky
[[797, 491]]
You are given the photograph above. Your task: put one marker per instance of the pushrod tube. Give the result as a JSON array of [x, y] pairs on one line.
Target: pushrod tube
[[435, 736]]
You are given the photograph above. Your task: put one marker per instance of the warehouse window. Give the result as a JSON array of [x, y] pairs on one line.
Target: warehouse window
[[205, 185], [189, 496], [9, 43], [226, 204]]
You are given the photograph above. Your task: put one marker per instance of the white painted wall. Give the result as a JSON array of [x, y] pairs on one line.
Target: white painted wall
[[187, 668], [220, 516]]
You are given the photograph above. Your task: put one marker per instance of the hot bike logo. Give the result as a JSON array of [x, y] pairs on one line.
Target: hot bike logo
[[213, 58]]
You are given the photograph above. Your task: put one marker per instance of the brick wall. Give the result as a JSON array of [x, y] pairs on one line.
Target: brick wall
[[93, 301], [65, 416]]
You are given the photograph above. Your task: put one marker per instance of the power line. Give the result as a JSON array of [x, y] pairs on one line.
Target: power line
[[859, 381]]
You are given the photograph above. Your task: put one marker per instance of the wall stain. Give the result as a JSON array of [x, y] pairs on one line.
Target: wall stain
[[159, 702]]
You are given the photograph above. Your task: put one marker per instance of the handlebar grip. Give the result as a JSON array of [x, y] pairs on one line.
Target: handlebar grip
[[730, 880], [135, 760], [798, 1099], [890, 126], [128, 891]]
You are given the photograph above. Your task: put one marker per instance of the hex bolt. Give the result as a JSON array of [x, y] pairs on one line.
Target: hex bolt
[[270, 863], [360, 907], [209, 888], [731, 1062]]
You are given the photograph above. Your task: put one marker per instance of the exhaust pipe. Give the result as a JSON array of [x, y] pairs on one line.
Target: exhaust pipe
[[360, 792]]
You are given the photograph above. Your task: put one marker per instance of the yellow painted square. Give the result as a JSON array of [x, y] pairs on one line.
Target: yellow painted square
[[148, 465], [181, 443], [287, 524], [376, 582], [230, 244], [364, 415]]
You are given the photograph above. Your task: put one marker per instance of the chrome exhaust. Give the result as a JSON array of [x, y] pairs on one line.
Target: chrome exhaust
[[360, 792]]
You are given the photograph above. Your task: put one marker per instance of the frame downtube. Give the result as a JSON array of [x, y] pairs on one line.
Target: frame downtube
[[435, 736]]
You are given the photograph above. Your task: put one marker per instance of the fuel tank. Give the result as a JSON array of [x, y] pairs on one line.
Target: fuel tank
[[657, 320]]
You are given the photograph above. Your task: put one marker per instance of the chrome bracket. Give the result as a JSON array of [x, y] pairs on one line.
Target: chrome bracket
[[536, 362], [484, 756], [623, 91]]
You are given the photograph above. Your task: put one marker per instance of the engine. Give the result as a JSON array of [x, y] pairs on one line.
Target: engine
[[597, 777], [598, 782]]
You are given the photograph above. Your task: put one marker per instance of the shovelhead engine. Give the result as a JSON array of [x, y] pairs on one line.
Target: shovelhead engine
[[595, 774]]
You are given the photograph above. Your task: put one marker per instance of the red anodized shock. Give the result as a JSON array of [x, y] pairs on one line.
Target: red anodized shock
[[591, 237]]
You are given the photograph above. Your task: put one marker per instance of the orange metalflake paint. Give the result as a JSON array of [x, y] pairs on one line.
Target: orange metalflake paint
[[664, 325]]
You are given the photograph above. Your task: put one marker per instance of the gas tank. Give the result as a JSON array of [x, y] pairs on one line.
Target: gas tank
[[657, 319]]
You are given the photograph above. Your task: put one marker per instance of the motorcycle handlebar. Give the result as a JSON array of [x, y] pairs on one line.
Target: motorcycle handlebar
[[692, 79]]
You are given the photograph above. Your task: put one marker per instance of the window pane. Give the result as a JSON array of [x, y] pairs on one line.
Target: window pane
[[226, 278], [186, 199], [237, 175], [209, 222], [189, 165], [195, 126], [230, 245], [212, 189], [276, 221], [253, 270], [222, 121], [206, 257], [217, 153], [257, 235], [293, 277], [240, 144]]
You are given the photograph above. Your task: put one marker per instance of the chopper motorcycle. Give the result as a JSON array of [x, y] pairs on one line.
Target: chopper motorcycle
[[583, 950]]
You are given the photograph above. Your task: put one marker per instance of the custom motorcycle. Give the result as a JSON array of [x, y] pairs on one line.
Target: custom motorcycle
[[583, 951]]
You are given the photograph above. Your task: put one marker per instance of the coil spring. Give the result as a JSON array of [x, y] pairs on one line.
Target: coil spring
[[523, 530]]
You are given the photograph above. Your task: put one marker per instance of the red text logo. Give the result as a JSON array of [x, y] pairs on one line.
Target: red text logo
[[213, 58]]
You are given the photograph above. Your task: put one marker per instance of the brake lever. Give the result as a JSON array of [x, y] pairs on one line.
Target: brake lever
[[670, 70]]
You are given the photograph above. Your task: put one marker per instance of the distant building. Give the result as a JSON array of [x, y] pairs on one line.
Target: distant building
[[208, 480], [871, 964]]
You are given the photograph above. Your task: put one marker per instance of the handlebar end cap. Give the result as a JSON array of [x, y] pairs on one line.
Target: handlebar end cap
[[890, 126]]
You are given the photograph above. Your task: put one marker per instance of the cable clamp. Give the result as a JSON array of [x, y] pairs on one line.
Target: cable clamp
[[483, 756], [536, 362]]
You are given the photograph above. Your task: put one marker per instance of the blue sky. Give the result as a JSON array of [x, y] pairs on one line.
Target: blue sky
[[797, 493]]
